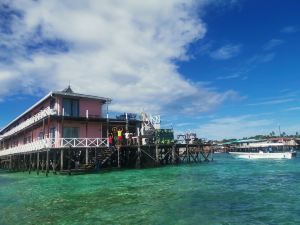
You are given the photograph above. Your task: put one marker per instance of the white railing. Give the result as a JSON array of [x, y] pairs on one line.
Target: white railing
[[83, 142], [37, 117], [38, 145], [30, 147]]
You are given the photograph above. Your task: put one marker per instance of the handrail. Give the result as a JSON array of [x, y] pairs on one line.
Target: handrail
[[37, 117], [30, 147], [83, 142], [40, 144]]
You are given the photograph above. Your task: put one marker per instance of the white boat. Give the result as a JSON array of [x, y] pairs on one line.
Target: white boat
[[264, 155]]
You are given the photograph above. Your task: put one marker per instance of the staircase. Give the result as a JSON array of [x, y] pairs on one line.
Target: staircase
[[105, 154]]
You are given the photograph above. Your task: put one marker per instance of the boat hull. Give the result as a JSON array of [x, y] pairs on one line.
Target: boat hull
[[264, 155]]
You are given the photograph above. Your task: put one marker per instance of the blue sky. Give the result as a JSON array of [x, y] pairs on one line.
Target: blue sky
[[222, 69]]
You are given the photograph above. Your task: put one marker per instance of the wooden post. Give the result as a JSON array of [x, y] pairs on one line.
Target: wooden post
[[30, 163], [188, 153], [96, 159], [173, 154], [10, 162], [54, 162], [118, 157], [61, 159], [43, 162], [138, 160], [69, 160], [24, 162], [86, 156], [38, 163], [157, 153], [47, 162]]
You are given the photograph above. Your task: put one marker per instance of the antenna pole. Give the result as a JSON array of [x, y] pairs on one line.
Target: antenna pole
[[279, 131]]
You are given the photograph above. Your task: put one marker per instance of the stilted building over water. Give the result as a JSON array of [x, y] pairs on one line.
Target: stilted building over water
[[68, 131]]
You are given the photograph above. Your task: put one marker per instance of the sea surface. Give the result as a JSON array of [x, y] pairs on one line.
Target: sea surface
[[226, 191]]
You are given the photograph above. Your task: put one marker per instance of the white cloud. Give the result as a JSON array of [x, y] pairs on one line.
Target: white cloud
[[296, 108], [261, 58], [120, 49], [226, 52], [273, 43], [272, 102], [289, 29], [235, 127], [228, 77]]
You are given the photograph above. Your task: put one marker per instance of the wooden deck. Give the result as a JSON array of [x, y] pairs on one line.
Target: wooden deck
[[94, 159]]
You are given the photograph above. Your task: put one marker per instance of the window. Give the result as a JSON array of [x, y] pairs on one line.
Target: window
[[52, 132], [41, 135], [70, 132], [52, 103], [71, 107]]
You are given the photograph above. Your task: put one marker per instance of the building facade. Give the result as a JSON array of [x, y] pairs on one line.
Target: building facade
[[62, 119]]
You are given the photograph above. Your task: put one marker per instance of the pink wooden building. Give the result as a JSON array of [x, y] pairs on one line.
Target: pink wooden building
[[61, 119]]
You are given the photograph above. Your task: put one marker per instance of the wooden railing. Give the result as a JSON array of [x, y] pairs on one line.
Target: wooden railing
[[40, 144], [37, 117], [83, 142]]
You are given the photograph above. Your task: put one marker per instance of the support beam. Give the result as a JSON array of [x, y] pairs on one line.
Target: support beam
[[118, 149], [61, 159], [173, 154], [30, 163], [24, 163], [157, 154], [54, 161], [38, 163], [47, 162], [86, 156], [69, 160], [138, 160], [10, 163]]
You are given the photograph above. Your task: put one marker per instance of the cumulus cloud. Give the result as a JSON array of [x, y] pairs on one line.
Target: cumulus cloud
[[125, 50], [226, 52]]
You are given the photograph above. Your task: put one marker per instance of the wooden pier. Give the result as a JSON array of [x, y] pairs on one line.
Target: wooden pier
[[70, 160]]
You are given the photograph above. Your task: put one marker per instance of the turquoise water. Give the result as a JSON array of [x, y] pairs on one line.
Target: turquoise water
[[226, 191]]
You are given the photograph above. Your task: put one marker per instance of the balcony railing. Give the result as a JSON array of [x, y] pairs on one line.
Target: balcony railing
[[46, 143], [83, 142], [26, 148], [37, 117]]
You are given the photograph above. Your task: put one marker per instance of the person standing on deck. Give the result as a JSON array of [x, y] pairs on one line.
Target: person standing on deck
[[120, 137]]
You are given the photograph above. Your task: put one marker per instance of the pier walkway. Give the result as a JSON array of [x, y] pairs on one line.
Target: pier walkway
[[81, 156]]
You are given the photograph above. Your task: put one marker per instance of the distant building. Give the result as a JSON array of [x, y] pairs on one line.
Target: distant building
[[268, 142]]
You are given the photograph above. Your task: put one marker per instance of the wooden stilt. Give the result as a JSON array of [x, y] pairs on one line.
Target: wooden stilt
[[47, 162], [86, 156], [173, 154], [69, 160], [38, 163], [54, 162], [10, 163], [61, 159], [30, 163], [157, 154], [118, 149]]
